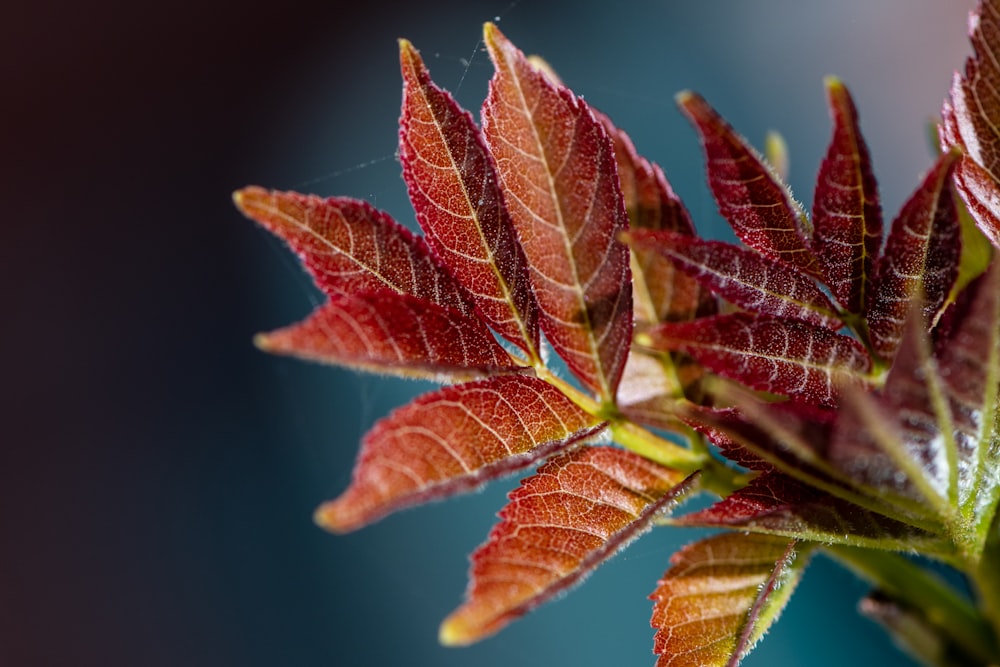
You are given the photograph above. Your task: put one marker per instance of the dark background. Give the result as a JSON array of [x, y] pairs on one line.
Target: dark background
[[158, 474]]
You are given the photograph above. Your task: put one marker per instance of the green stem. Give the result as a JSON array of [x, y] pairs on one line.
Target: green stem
[[715, 476], [650, 446], [921, 589]]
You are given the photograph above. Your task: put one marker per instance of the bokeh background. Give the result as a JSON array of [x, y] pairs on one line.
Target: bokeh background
[[158, 474]]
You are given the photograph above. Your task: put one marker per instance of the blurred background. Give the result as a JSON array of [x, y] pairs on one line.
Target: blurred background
[[158, 474]]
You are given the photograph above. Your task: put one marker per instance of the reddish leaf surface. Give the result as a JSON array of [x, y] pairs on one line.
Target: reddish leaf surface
[[774, 503], [661, 293], [719, 597], [847, 218], [920, 259], [764, 436], [968, 362], [743, 277], [971, 119], [750, 196], [348, 246], [892, 440], [395, 333], [557, 167], [575, 512], [454, 440], [650, 201], [869, 432], [767, 353], [456, 196]]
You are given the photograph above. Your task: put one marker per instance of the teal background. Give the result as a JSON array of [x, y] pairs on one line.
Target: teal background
[[158, 474]]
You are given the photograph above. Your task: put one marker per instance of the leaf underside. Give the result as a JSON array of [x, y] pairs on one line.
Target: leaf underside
[[455, 193], [393, 333], [720, 596], [557, 167], [348, 247], [768, 353], [971, 118], [575, 512], [454, 440], [847, 218]]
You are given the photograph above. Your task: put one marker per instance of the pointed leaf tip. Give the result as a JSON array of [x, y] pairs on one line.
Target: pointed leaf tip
[[557, 166], [238, 198], [454, 632], [971, 120], [920, 258], [491, 33], [749, 194], [455, 192], [847, 217]]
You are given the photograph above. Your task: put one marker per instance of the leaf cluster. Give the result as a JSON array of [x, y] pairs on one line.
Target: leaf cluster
[[833, 380]]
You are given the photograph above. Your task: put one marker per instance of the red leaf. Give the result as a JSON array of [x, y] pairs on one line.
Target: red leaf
[[764, 436], [650, 201], [557, 167], [968, 362], [775, 503], [456, 196], [891, 440], [971, 119], [920, 259], [454, 440], [750, 196], [348, 246], [396, 333], [575, 512], [743, 277], [769, 353], [847, 218], [719, 597], [660, 292]]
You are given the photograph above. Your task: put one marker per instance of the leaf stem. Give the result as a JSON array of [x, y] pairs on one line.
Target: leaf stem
[[942, 606], [715, 475]]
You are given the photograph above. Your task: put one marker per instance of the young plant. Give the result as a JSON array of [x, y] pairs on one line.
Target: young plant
[[833, 382]]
